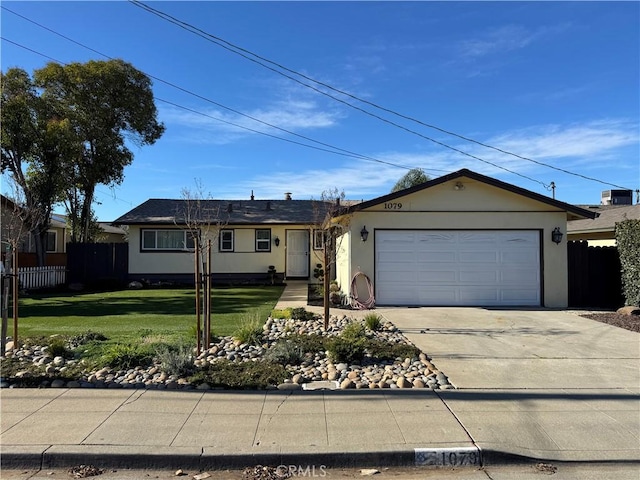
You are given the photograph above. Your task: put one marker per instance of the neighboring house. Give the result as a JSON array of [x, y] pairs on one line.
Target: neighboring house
[[58, 235], [111, 233], [461, 239], [247, 236], [10, 224], [601, 231]]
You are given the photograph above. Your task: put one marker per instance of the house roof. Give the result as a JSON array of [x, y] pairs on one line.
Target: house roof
[[107, 227], [609, 215], [572, 210], [230, 212]]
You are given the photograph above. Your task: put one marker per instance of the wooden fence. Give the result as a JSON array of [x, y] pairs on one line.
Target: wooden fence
[[41, 277], [595, 279]]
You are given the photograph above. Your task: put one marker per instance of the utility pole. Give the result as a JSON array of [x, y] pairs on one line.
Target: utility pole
[[553, 190]]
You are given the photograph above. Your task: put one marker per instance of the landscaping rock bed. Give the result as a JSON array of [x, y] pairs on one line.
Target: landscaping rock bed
[[415, 372]]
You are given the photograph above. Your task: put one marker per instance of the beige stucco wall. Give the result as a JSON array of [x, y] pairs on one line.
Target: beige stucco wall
[[244, 258], [477, 206]]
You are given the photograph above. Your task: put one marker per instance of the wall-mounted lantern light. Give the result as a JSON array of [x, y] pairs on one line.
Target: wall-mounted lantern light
[[556, 235], [458, 186], [364, 234], [276, 241]]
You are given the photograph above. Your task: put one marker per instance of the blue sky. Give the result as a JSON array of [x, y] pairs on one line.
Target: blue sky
[[557, 83]]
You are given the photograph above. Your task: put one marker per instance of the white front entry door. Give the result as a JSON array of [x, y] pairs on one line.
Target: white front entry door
[[297, 253], [458, 267]]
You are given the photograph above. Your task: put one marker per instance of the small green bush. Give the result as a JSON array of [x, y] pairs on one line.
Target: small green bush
[[373, 321], [294, 350], [125, 356], [286, 313], [343, 350], [250, 332], [242, 375], [300, 313], [86, 337], [57, 347], [176, 359], [353, 331], [386, 351], [285, 352], [350, 346]]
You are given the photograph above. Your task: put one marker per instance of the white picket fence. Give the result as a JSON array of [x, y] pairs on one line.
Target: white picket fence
[[41, 277]]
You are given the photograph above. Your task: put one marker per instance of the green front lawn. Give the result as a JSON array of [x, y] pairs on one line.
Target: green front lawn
[[122, 315]]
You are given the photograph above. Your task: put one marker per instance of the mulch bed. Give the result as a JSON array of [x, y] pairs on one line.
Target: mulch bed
[[628, 322]]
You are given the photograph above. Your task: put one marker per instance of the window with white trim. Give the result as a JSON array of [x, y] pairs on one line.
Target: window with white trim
[[226, 241], [263, 240], [168, 240]]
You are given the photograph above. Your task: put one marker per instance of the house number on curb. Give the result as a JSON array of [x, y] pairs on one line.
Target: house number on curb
[[447, 457]]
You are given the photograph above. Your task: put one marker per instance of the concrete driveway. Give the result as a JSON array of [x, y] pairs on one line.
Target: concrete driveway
[[513, 349]]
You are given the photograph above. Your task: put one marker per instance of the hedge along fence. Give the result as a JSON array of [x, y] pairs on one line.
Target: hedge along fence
[[628, 239]]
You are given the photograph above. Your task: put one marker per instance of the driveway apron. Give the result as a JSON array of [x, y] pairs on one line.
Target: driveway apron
[[540, 383]]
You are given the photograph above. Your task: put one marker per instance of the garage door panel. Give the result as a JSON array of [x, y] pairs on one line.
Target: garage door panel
[[476, 238], [435, 238], [521, 277], [434, 257], [437, 277], [472, 277], [435, 296], [483, 268], [518, 296], [396, 257], [478, 257], [478, 296], [526, 257]]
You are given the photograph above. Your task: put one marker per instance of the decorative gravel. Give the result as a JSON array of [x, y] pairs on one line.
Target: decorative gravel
[[315, 372]]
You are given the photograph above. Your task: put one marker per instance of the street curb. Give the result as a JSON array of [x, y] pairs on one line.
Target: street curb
[[202, 461], [48, 457]]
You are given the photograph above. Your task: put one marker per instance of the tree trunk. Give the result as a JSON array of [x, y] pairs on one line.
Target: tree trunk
[[85, 216]]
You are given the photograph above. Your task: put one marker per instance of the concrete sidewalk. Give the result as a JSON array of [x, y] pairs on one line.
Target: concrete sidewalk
[[220, 429]]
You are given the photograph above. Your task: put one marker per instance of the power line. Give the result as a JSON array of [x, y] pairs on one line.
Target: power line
[[338, 149], [247, 54], [217, 41]]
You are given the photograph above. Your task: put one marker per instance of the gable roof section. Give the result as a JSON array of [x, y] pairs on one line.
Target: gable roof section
[[575, 211], [609, 215], [242, 212]]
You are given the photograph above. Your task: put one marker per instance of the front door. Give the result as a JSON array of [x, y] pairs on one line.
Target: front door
[[297, 254]]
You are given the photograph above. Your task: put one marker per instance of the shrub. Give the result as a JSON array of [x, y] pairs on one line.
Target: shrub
[[295, 348], [628, 240], [299, 313], [386, 351], [126, 356], [353, 331], [57, 347], [176, 359], [286, 313], [285, 352], [242, 375], [350, 346], [373, 321], [250, 332], [86, 337]]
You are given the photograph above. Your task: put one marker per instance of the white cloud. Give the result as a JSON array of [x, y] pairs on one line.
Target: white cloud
[[577, 147], [584, 141], [218, 126], [506, 39]]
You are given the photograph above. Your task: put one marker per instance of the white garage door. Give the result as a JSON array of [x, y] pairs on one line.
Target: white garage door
[[457, 267]]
